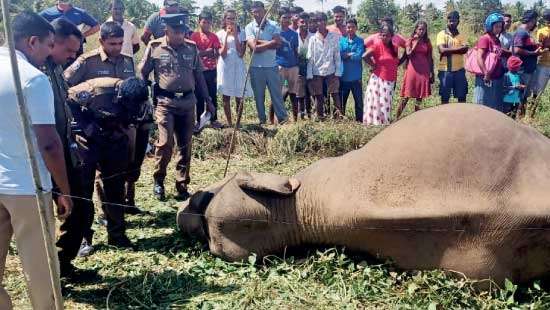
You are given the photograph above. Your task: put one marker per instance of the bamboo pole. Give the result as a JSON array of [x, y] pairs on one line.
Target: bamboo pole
[[43, 200], [240, 106]]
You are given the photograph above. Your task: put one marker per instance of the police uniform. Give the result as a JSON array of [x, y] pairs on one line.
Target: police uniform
[[103, 145], [174, 70], [92, 65]]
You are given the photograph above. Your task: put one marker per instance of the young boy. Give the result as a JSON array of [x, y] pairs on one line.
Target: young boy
[[324, 66], [513, 89], [208, 45], [304, 98], [287, 60]]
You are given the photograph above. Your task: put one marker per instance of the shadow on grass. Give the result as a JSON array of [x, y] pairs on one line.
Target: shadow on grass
[[161, 219], [147, 290]]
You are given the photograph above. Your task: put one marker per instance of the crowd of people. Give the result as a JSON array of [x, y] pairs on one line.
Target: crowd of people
[[92, 117]]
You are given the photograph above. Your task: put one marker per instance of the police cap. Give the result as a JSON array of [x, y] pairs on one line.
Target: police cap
[[176, 21]]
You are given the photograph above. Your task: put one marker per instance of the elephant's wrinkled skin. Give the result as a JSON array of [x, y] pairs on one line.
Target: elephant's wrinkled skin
[[458, 187]]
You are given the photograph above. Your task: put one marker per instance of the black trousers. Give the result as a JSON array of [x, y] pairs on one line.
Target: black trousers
[[142, 140], [356, 88], [211, 78], [111, 159]]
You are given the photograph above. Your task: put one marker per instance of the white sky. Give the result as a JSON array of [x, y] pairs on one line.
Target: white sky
[[314, 5]]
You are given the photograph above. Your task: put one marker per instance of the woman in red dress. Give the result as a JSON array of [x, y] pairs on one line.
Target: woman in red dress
[[420, 68]]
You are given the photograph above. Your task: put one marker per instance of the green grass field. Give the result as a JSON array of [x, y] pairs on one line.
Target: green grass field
[[169, 271]]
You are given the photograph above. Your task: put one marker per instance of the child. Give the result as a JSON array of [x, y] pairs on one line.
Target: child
[[513, 89], [208, 45]]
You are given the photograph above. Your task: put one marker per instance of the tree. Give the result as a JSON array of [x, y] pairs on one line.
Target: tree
[[474, 12], [216, 10], [413, 11], [243, 11], [371, 11], [137, 11]]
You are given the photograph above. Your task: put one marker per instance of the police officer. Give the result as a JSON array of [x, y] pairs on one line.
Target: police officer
[[103, 108], [105, 61], [177, 68]]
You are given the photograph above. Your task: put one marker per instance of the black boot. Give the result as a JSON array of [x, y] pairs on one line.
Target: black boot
[[120, 242], [130, 200], [183, 194], [158, 191]]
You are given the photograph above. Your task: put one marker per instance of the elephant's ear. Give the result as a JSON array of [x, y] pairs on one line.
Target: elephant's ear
[[199, 201], [266, 182]]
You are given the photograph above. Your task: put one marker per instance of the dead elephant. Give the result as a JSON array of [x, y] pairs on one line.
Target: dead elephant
[[458, 187]]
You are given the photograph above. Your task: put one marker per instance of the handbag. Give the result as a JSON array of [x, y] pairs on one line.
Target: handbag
[[491, 60]]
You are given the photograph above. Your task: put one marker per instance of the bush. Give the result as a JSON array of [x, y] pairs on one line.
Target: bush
[[301, 139]]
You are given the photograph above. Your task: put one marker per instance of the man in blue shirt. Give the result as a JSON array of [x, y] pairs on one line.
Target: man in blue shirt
[[264, 40], [287, 60], [75, 15], [351, 52]]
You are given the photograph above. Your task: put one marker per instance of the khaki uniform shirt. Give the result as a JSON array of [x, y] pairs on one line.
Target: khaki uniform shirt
[[174, 71], [96, 64], [98, 96]]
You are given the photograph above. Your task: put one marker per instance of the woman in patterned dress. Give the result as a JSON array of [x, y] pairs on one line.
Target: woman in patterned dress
[[382, 56]]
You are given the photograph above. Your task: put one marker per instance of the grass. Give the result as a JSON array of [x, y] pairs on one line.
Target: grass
[[169, 271]]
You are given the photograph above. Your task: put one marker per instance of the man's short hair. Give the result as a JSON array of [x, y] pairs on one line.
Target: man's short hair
[[64, 28], [257, 5], [453, 15], [321, 16], [339, 9], [296, 10], [117, 3], [110, 30], [283, 11], [529, 15], [205, 15], [304, 15], [507, 15], [352, 21], [29, 24]]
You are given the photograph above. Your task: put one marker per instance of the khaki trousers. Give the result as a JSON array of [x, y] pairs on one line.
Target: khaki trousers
[[180, 126], [19, 217]]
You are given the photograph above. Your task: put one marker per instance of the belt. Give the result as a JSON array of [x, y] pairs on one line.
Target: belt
[[172, 95]]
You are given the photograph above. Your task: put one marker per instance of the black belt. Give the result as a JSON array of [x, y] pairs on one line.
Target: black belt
[[172, 95]]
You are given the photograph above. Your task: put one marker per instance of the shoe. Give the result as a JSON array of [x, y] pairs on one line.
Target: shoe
[[183, 194], [283, 121], [133, 210], [101, 220], [85, 250], [216, 125], [75, 275], [120, 242], [158, 191]]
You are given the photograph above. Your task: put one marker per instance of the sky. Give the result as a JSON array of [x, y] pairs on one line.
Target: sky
[[314, 5]]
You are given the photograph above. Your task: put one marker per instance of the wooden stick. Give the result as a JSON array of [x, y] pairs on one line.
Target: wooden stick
[[43, 200], [240, 106]]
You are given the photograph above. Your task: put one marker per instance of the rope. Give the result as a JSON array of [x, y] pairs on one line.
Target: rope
[[310, 225], [241, 104]]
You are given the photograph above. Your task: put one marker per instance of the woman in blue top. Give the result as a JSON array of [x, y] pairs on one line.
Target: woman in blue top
[[351, 51]]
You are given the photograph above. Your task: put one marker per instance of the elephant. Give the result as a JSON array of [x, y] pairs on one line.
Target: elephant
[[457, 187]]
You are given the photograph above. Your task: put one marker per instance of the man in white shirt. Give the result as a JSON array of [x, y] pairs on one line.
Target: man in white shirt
[[324, 66], [19, 215], [130, 43]]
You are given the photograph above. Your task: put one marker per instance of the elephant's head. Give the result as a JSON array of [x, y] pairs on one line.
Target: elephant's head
[[242, 214]]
